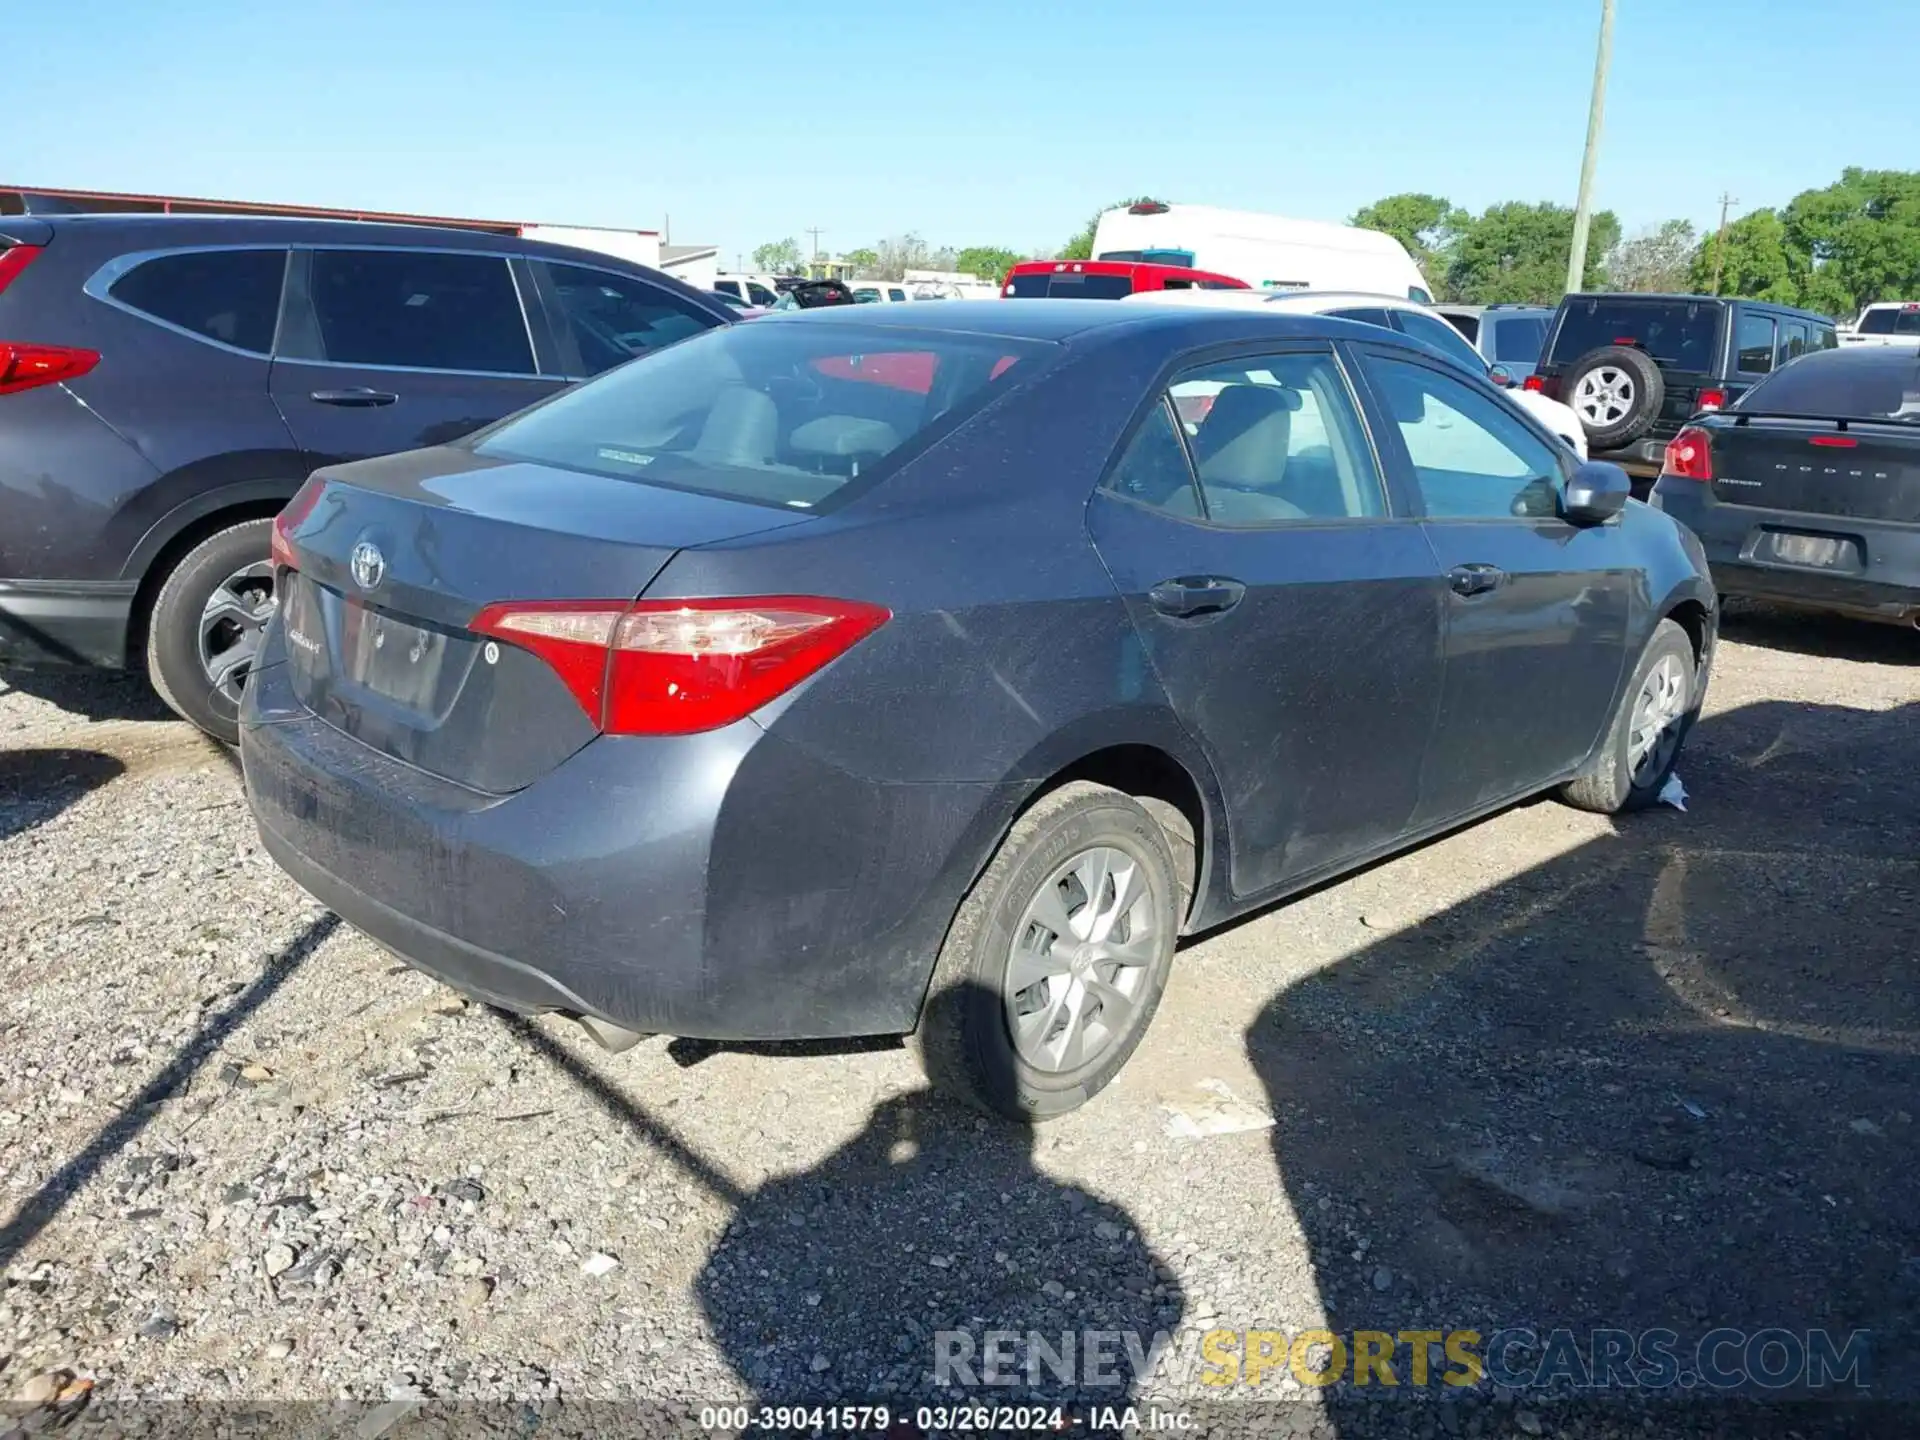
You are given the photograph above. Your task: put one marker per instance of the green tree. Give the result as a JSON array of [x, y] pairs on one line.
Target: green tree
[[1757, 259], [865, 261], [1861, 235], [1518, 253], [1080, 247], [1657, 260], [1426, 224], [989, 262], [779, 257]]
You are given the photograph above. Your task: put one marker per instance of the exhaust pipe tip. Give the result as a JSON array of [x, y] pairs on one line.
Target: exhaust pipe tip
[[614, 1039]]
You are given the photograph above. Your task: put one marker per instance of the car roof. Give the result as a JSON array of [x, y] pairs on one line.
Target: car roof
[[1637, 297], [146, 228], [1085, 322]]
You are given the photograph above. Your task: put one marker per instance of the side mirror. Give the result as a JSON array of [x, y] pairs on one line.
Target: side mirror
[[1597, 492], [1501, 376]]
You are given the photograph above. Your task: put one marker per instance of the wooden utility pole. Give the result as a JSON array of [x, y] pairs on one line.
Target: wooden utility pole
[[1720, 240], [1596, 112], [815, 253]]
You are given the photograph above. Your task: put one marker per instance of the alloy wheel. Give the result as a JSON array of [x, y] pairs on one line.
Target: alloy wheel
[[1077, 973], [232, 625]]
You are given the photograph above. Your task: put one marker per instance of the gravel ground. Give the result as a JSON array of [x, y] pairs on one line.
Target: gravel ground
[[1548, 1072]]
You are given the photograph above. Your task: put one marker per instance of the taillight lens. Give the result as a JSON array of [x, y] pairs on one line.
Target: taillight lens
[[22, 367], [1547, 385], [14, 259], [1713, 400], [1690, 455], [288, 520], [674, 667]]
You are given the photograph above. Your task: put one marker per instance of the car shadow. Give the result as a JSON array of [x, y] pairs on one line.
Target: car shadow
[[1664, 1084], [95, 695], [1805, 632], [38, 784]]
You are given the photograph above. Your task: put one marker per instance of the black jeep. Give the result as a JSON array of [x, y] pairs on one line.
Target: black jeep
[[1635, 367]]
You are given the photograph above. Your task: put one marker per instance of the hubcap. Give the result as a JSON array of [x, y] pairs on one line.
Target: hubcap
[[1656, 720], [232, 624], [1604, 395], [1081, 956]]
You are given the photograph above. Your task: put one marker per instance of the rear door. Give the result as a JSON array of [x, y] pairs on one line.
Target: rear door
[[392, 349], [1537, 610], [1291, 612]]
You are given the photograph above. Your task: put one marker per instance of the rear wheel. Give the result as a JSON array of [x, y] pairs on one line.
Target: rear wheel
[[1057, 958], [207, 624], [1643, 743]]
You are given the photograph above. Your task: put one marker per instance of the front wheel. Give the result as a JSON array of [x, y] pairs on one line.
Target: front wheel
[[207, 624], [1057, 958], [1642, 744]]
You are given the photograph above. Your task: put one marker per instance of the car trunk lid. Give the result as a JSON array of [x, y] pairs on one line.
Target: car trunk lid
[[395, 557], [1859, 471]]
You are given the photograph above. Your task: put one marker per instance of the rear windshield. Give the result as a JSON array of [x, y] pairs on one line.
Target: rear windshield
[[1517, 339], [1068, 286], [775, 412], [1863, 384], [1903, 321], [1680, 333]]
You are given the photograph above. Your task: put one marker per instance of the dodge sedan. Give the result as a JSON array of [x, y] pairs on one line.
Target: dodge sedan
[[901, 669]]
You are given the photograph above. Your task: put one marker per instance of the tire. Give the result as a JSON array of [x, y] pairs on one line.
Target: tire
[[1612, 783], [234, 564], [1628, 393], [966, 1037]]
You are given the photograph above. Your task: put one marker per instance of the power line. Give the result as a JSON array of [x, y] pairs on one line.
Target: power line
[[1596, 112]]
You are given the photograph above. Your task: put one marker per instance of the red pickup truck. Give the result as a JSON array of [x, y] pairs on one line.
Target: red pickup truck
[[1106, 279]]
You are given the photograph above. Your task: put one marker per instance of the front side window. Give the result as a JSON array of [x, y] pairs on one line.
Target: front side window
[[1442, 337], [420, 309], [1753, 344], [776, 414], [232, 296], [1277, 438], [1471, 457], [613, 318]]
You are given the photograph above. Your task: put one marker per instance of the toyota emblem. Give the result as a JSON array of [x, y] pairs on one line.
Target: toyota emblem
[[368, 565]]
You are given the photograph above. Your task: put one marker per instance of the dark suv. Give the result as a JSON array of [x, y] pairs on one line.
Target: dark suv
[[167, 382], [1635, 367]]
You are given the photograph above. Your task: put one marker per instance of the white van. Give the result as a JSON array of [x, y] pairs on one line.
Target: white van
[[749, 289], [1269, 252]]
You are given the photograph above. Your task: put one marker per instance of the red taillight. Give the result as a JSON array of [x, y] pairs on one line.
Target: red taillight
[[1712, 400], [13, 260], [22, 367], [1835, 442], [673, 667], [1534, 383], [288, 520], [1690, 455]]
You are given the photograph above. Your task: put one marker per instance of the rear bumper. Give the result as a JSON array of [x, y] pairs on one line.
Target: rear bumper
[[723, 886], [1641, 460], [65, 624], [1887, 587]]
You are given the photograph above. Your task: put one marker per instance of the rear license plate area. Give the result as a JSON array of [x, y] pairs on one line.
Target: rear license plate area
[[1808, 551]]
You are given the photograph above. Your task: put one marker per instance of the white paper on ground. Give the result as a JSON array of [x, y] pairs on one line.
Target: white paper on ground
[[1211, 1108], [1674, 793]]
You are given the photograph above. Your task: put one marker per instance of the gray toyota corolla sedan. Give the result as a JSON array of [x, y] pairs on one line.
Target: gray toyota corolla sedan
[[932, 669]]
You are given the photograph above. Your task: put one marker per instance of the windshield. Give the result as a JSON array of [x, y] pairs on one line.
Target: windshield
[[775, 412], [1864, 384], [1680, 333]]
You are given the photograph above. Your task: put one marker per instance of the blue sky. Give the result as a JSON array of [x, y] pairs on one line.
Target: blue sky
[[983, 123]]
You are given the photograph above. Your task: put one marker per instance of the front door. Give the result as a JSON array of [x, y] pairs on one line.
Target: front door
[[1537, 609], [390, 349], [1293, 618]]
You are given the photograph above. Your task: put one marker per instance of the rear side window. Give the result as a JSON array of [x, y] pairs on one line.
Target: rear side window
[[1442, 337], [760, 295], [232, 296], [1679, 333], [1467, 325], [1753, 344], [1154, 470], [612, 318], [1517, 341], [420, 309], [773, 413], [1894, 320], [1792, 342], [1364, 317]]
